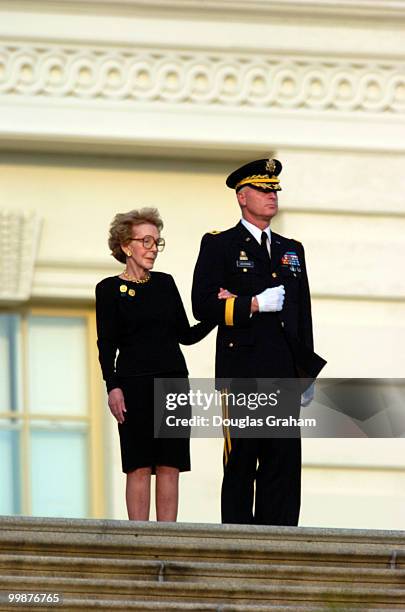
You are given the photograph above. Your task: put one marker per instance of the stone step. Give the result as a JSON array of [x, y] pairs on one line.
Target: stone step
[[235, 591], [123, 605], [124, 565], [179, 571], [216, 543]]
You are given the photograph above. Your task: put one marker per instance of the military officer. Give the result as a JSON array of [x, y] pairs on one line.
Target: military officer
[[264, 330]]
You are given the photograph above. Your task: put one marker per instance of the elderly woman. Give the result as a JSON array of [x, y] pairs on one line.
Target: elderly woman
[[140, 314]]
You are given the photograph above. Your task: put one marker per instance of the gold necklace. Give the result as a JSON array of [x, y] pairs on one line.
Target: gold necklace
[[139, 281]]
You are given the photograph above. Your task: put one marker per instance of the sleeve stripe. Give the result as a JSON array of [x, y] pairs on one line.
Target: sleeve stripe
[[229, 305]]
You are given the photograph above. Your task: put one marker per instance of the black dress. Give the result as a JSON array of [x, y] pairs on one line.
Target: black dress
[[144, 322]]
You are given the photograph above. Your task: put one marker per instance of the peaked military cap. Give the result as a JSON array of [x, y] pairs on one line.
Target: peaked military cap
[[261, 174]]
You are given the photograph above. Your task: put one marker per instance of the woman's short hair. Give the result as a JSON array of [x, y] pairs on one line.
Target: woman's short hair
[[121, 228]]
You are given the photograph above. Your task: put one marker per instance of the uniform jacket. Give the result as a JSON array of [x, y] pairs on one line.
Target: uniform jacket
[[248, 345]]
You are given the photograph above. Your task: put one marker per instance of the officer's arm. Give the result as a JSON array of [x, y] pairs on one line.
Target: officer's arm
[[209, 276], [305, 317]]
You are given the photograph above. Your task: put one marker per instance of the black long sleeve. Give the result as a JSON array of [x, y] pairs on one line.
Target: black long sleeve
[[107, 333], [188, 334], [305, 316]]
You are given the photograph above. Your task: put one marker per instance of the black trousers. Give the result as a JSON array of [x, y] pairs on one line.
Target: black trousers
[[274, 466], [262, 476]]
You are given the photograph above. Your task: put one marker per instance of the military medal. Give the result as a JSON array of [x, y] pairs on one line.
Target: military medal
[[290, 259]]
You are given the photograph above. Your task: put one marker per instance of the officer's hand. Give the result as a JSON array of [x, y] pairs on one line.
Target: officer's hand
[[117, 404], [271, 300], [224, 294], [308, 395]]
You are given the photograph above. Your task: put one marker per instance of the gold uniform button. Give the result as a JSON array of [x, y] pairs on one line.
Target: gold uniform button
[[274, 274], [282, 323], [123, 288], [131, 292], [230, 344], [245, 269]]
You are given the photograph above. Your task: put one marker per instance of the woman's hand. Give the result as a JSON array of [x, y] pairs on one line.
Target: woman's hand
[[224, 294], [117, 404]]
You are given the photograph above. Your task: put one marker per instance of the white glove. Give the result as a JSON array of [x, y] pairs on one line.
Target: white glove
[[271, 300], [308, 395]]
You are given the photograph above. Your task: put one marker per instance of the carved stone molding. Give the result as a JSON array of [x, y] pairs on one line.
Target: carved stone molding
[[19, 238], [372, 9], [171, 76]]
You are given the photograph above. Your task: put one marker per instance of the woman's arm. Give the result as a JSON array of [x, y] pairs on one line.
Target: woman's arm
[[107, 342], [187, 334], [107, 333]]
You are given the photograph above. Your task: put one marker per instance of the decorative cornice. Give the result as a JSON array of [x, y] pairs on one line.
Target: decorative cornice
[[112, 99], [55, 73], [355, 9]]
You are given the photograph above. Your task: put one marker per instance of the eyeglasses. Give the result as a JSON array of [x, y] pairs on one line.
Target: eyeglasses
[[149, 242]]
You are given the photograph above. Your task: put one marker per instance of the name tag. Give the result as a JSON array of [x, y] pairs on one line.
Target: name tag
[[245, 264]]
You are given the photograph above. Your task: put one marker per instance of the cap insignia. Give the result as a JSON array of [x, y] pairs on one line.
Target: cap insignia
[[270, 166]]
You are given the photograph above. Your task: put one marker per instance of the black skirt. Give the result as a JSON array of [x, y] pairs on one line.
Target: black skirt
[[139, 447]]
